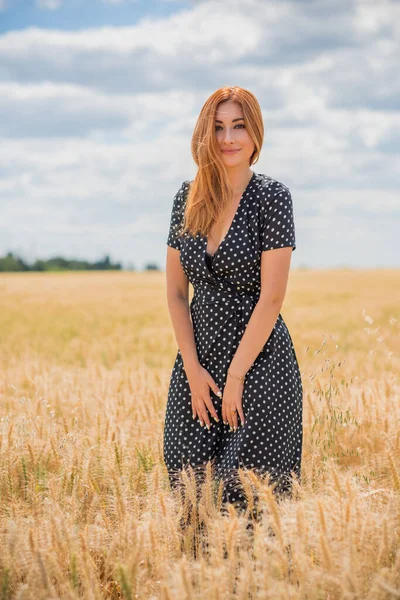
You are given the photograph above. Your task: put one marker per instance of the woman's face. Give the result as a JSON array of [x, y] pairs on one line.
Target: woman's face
[[233, 139]]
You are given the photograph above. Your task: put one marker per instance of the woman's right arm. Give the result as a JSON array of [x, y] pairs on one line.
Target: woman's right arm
[[199, 379], [178, 306]]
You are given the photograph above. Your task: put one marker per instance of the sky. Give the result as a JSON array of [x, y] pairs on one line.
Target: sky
[[99, 99]]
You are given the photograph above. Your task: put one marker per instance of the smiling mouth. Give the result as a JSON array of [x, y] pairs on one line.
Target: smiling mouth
[[230, 151]]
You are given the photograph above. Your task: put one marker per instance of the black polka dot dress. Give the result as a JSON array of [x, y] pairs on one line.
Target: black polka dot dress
[[226, 287]]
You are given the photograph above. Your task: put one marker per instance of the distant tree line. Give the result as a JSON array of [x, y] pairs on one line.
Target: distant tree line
[[10, 262]]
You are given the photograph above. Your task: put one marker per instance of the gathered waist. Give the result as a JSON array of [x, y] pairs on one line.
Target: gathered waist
[[213, 309], [209, 295]]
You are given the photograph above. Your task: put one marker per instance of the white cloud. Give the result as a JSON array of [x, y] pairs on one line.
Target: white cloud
[[52, 110], [96, 124]]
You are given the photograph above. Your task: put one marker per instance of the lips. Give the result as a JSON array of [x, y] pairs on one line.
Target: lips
[[230, 151]]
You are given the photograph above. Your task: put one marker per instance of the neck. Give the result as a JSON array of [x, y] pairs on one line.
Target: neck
[[238, 178]]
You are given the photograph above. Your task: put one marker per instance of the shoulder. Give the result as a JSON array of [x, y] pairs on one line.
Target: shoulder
[[180, 196], [184, 187], [270, 186], [271, 191]]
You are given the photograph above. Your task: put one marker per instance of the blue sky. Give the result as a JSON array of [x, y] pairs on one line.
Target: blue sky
[[76, 15], [98, 100]]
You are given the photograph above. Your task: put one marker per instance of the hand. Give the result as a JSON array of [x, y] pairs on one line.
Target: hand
[[231, 399], [200, 382]]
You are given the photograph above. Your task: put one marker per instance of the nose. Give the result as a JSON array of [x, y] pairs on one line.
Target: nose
[[228, 136]]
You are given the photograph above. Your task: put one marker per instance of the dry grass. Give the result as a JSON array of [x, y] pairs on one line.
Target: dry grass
[[86, 510]]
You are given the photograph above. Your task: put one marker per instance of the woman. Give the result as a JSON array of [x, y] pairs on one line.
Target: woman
[[235, 393]]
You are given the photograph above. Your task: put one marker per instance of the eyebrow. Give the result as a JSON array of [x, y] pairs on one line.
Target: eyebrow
[[233, 120]]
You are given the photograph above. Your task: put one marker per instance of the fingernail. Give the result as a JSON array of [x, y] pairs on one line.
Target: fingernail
[[208, 426], [201, 423], [234, 429], [216, 419], [225, 422], [194, 416], [230, 428], [219, 393]]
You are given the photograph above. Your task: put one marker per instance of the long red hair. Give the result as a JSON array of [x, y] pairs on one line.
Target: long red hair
[[210, 192]]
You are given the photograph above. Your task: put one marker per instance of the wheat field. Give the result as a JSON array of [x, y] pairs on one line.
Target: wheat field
[[86, 509]]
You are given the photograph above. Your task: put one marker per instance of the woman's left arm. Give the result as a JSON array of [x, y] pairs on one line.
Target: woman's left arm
[[278, 241], [275, 265]]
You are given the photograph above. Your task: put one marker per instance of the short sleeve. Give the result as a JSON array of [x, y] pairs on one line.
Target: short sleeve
[[277, 222], [177, 212]]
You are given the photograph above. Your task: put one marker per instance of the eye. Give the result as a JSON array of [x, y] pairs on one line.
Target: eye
[[238, 125]]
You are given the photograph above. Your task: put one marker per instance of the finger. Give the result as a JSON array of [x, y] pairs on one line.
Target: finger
[[211, 407], [194, 410], [198, 413], [204, 416], [241, 414], [215, 389], [229, 416], [224, 415], [234, 419]]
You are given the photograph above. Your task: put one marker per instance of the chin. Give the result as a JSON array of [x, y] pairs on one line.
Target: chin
[[231, 162]]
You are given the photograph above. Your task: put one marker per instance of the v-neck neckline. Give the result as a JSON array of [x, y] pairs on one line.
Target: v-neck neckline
[[205, 238]]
